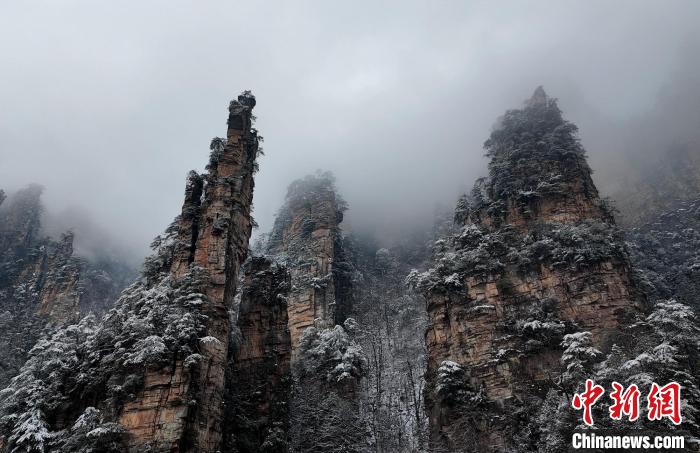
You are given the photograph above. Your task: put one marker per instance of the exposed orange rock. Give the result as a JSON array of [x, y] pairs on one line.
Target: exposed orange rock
[[45, 272], [479, 314], [305, 238], [42, 282], [175, 413], [59, 296], [159, 412], [188, 225]]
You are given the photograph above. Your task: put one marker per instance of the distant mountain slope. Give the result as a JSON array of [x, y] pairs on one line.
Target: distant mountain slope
[[667, 249], [42, 283], [660, 186], [661, 213]]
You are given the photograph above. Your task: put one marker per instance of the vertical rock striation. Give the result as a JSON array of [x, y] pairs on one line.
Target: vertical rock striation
[[184, 410], [59, 296], [188, 224], [19, 227], [151, 374], [42, 283], [259, 373], [306, 238], [327, 364], [536, 255]]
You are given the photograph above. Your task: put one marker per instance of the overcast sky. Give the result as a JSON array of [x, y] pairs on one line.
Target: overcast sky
[[108, 104]]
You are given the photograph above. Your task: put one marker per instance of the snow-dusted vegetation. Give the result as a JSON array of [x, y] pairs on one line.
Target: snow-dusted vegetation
[[89, 370], [472, 335]]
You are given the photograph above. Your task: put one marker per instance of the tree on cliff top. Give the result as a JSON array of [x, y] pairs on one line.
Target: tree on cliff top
[[533, 149], [306, 196]]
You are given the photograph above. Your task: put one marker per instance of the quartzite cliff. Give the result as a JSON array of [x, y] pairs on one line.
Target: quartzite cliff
[[151, 374], [307, 238], [43, 284], [536, 256], [259, 373], [324, 341], [178, 409]]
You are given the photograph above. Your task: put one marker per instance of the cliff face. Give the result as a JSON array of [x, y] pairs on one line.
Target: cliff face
[[306, 238], [529, 293], [212, 234], [536, 256], [260, 374], [42, 283], [151, 374], [20, 227], [37, 272], [327, 363]]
